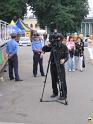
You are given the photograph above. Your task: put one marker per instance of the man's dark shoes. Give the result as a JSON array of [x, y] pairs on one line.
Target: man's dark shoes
[[12, 78], [62, 98], [18, 80], [42, 74], [35, 75], [53, 95]]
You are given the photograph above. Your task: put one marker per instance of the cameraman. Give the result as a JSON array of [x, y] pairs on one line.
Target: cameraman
[[59, 53]]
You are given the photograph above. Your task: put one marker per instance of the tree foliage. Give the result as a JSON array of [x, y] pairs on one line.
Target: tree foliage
[[11, 8], [65, 15]]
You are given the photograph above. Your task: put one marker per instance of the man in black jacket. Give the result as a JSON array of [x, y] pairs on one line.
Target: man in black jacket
[[58, 57]]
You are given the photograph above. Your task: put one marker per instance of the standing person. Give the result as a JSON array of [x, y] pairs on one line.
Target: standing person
[[37, 55], [79, 53], [45, 38], [11, 49], [90, 48], [59, 53], [71, 47]]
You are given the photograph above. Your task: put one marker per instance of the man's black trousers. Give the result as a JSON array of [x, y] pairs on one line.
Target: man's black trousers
[[37, 59], [54, 76], [13, 65]]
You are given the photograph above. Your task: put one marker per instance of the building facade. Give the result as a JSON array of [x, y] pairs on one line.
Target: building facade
[[32, 22], [87, 26]]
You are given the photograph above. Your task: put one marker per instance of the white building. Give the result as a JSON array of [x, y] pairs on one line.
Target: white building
[[32, 22], [87, 26]]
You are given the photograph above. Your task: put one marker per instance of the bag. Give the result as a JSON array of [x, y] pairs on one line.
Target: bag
[[83, 62], [85, 43]]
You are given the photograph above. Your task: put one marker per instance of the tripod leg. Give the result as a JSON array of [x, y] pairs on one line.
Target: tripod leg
[[45, 81], [42, 93], [62, 86], [66, 102]]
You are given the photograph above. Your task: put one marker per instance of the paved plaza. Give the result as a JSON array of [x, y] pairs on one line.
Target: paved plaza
[[20, 101]]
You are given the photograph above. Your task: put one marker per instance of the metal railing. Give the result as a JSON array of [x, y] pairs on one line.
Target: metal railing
[[4, 35], [3, 31]]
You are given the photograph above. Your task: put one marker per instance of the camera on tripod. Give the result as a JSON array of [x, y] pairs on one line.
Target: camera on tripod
[[58, 56], [55, 38]]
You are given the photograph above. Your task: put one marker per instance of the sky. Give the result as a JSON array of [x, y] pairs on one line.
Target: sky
[[90, 3], [91, 8]]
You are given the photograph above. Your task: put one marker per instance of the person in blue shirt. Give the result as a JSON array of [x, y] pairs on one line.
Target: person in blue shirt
[[11, 49], [37, 55]]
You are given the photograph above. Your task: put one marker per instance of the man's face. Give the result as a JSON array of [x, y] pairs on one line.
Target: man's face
[[36, 38], [71, 39]]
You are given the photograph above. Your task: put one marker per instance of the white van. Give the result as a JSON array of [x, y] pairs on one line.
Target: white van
[[24, 41]]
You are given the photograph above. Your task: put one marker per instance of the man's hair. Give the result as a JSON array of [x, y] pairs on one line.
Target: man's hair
[[13, 35]]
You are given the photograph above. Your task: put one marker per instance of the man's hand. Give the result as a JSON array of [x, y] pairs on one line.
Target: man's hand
[[39, 50], [62, 61], [9, 56], [41, 55], [49, 44]]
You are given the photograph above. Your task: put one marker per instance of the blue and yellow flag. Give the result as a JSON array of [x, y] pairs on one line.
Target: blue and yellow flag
[[22, 25]]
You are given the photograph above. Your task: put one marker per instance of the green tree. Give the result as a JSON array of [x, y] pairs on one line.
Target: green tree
[[65, 15], [12, 8]]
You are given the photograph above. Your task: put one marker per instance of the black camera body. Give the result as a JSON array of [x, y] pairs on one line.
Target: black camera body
[[55, 38]]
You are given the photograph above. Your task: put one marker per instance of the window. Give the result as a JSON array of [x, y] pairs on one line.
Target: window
[[36, 25], [31, 25]]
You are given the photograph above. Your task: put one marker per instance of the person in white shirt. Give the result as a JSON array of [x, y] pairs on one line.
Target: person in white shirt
[[90, 48]]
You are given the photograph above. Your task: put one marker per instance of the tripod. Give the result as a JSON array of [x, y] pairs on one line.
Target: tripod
[[56, 55]]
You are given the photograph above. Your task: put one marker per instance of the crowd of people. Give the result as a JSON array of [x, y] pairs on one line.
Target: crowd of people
[[73, 60], [72, 57], [76, 45]]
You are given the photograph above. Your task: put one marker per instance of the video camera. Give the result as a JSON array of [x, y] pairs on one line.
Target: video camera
[[55, 38]]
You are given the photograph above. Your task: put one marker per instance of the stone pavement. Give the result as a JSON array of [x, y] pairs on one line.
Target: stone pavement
[[10, 123], [20, 101]]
